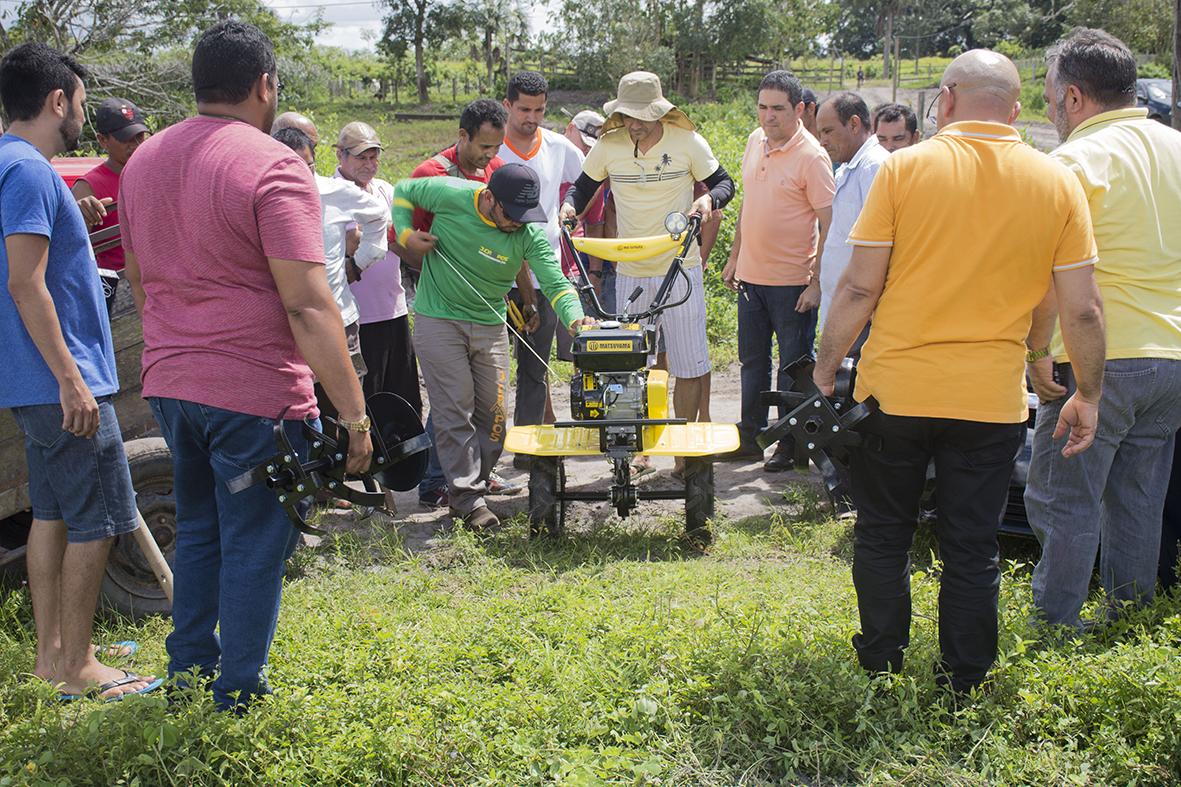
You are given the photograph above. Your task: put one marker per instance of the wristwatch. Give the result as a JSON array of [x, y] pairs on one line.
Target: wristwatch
[[361, 426], [1036, 355]]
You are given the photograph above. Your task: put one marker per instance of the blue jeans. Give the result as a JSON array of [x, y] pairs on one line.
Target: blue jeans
[[1113, 492], [434, 480], [766, 311], [230, 548]]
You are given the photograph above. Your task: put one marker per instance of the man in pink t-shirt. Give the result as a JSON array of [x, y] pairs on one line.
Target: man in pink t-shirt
[[221, 228]]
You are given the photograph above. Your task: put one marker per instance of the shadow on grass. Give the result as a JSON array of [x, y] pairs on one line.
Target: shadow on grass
[[604, 542]]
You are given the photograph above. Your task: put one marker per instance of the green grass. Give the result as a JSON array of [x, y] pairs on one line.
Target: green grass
[[615, 658]]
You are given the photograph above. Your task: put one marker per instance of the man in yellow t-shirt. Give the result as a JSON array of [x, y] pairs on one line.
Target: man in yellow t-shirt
[[957, 243], [653, 156], [1130, 168]]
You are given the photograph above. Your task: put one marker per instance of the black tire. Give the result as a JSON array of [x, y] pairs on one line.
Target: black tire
[[547, 511], [129, 585], [699, 497]]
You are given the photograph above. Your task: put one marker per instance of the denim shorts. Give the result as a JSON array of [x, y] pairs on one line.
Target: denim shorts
[[84, 481]]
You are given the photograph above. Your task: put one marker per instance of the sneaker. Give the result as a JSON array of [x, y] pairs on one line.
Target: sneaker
[[498, 485], [481, 519], [749, 452], [436, 499]]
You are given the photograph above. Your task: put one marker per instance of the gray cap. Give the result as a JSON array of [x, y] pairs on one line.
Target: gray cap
[[589, 124]]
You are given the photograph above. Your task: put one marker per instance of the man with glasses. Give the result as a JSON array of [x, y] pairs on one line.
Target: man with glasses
[[1130, 168], [479, 238], [944, 362]]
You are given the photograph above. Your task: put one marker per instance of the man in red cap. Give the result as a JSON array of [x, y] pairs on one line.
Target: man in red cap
[[121, 127]]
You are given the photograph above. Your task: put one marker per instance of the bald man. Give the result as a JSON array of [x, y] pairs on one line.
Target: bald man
[[957, 244], [297, 121]]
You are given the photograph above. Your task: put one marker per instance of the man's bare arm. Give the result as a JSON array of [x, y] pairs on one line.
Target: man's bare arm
[[810, 297], [319, 333], [1041, 332], [730, 271], [132, 274], [28, 257], [1080, 315], [853, 303]]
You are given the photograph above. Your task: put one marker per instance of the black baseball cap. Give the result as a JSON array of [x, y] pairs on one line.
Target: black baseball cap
[[119, 118], [518, 191]]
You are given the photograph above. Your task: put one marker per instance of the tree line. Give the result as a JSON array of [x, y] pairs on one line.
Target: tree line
[[139, 48]]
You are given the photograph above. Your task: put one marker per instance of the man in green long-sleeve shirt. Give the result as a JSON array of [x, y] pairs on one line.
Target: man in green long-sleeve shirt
[[478, 240]]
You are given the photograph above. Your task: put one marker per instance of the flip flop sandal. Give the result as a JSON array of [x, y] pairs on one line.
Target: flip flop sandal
[[115, 650], [641, 470], [128, 677]]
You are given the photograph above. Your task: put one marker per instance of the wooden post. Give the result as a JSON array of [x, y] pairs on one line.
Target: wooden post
[[897, 74], [842, 78], [454, 88], [922, 113]]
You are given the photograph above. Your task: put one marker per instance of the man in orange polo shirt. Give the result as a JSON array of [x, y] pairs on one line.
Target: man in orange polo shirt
[[774, 266], [957, 243]]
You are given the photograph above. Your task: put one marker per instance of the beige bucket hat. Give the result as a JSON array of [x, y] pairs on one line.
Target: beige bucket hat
[[640, 96]]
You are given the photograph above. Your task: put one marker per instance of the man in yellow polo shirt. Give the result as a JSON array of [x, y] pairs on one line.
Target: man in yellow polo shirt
[[957, 243], [1130, 168]]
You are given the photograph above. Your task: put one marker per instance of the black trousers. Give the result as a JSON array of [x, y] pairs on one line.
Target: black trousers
[[1171, 530], [389, 356], [973, 465]]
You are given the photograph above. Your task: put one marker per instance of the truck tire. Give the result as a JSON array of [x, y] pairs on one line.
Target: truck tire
[[129, 585], [699, 498], [547, 511]]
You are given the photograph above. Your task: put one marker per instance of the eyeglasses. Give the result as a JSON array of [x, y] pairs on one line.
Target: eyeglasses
[[932, 113]]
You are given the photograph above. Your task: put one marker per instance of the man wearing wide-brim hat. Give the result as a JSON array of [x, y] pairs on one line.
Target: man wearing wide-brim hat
[[653, 156]]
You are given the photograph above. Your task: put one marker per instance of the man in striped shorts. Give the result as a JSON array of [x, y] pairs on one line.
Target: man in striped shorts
[[653, 156]]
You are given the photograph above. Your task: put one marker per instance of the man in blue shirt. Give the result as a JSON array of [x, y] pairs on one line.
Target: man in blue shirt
[[844, 130], [60, 374]]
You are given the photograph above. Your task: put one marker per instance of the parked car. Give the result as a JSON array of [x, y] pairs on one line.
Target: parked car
[[130, 585], [1157, 96]]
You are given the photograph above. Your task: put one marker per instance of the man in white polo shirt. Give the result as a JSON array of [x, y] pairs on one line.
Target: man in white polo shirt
[[556, 161]]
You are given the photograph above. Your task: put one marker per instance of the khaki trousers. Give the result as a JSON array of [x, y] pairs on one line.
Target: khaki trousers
[[465, 367]]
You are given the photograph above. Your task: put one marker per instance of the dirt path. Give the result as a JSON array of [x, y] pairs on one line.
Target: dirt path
[[744, 489], [1041, 135]]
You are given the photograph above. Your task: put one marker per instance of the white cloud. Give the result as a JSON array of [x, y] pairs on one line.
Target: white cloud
[[351, 21], [348, 23]]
